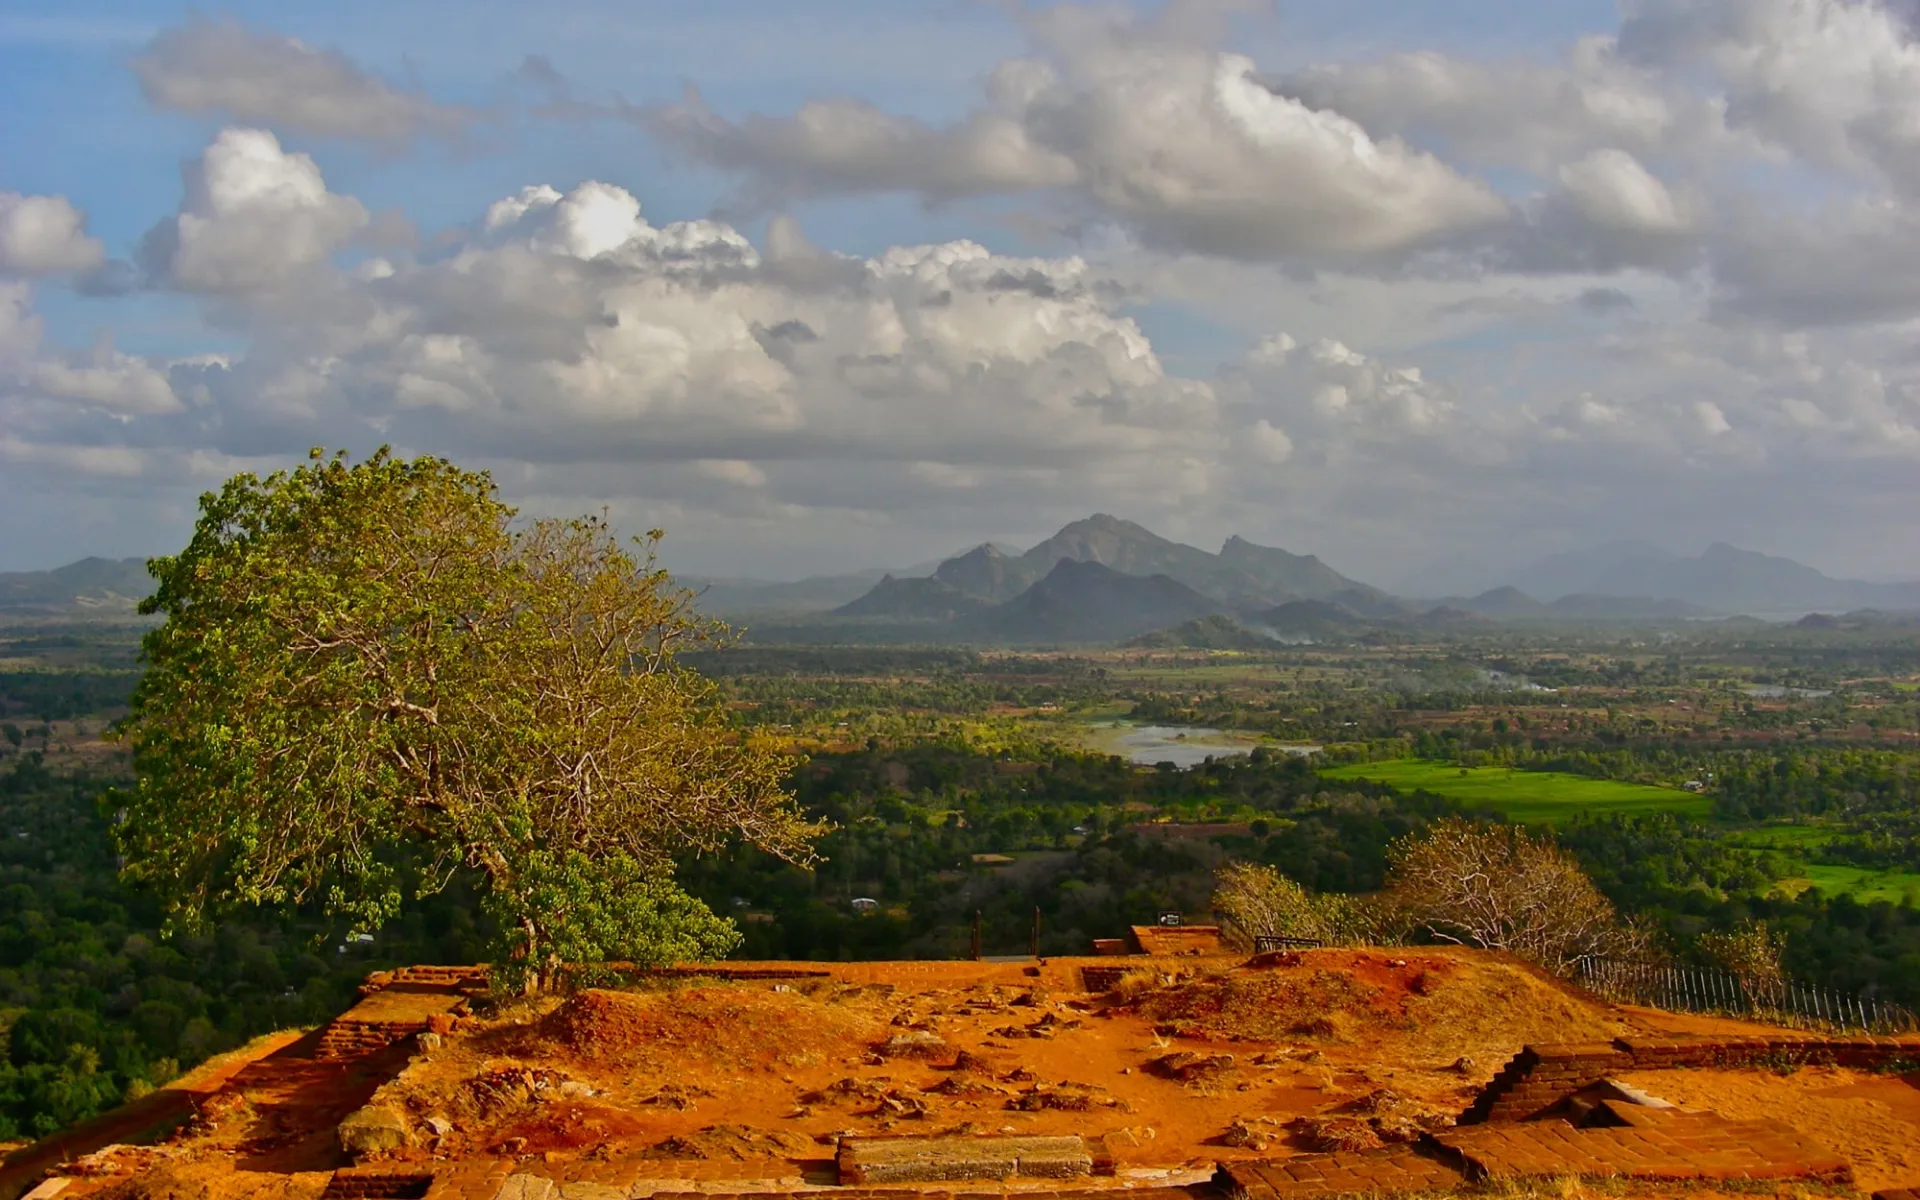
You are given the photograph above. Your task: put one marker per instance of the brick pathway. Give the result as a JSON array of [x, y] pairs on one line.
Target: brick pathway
[[1659, 1144], [1652, 1144], [1401, 1169]]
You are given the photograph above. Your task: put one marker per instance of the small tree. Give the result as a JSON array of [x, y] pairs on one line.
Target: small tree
[[1255, 900], [1752, 953], [1500, 888], [369, 679]]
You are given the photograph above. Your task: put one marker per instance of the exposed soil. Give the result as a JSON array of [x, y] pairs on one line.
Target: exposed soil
[[1871, 1120], [777, 1068], [1188, 1061], [1424, 1005]]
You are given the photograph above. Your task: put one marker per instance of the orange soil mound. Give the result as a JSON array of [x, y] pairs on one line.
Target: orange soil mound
[[727, 1025], [1445, 1004]]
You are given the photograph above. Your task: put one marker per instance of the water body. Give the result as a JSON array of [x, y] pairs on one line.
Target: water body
[[1773, 691], [1184, 745]]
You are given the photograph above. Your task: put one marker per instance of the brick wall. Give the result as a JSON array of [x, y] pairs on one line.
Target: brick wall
[[1539, 1077]]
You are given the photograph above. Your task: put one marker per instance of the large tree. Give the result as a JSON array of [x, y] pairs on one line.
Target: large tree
[[1499, 887], [370, 678]]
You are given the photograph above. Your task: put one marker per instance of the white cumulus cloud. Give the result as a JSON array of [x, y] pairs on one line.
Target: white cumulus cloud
[[253, 215], [44, 235]]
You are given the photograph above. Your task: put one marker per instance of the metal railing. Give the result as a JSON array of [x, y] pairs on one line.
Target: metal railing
[[1702, 990]]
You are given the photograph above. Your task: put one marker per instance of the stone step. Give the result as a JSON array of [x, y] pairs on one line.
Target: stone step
[[863, 1160]]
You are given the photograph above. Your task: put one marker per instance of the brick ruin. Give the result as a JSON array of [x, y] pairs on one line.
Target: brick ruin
[[1554, 1111]]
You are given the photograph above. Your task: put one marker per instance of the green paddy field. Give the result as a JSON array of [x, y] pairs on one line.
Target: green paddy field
[[1548, 798], [1530, 797]]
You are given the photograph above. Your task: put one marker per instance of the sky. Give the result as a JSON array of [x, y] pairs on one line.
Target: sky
[[1429, 288]]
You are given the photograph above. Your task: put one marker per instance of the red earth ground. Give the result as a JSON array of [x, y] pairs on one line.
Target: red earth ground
[[698, 1075]]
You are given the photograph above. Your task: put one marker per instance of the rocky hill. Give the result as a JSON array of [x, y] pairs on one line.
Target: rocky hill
[[1081, 601]]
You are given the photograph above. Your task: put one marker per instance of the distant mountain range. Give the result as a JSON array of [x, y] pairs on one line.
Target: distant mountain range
[[1104, 580], [97, 586], [1724, 579]]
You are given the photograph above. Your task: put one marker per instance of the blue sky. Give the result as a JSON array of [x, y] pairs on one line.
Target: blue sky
[[1428, 289]]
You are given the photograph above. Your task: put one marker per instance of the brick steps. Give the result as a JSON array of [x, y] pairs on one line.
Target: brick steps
[[377, 1183], [345, 1038], [1539, 1077]]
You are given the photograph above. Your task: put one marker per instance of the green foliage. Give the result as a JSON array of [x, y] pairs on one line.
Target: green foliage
[[369, 680], [606, 908], [83, 965]]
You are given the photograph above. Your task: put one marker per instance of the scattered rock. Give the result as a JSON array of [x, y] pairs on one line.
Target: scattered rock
[[1462, 1065], [1243, 1136], [967, 1060], [915, 1043], [1187, 1067], [735, 1142], [680, 1096], [842, 1091], [1327, 1134], [1067, 1097], [374, 1129], [1380, 1100]]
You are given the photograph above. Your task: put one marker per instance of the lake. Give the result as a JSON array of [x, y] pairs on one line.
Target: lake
[[1182, 745]]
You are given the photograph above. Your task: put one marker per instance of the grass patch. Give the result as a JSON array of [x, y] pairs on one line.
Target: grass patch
[[1862, 883], [1530, 797]]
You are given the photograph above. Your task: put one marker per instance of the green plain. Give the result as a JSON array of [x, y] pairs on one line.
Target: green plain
[[1530, 797]]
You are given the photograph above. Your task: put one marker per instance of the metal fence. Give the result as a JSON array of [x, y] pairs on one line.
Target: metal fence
[[1694, 989]]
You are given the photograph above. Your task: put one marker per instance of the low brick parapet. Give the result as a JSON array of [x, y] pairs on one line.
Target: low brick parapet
[[1541, 1076]]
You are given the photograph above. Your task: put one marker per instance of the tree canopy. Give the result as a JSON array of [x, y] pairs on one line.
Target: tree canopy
[[369, 677], [1500, 887]]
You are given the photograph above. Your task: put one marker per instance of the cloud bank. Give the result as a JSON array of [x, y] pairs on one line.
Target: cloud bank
[[1659, 280]]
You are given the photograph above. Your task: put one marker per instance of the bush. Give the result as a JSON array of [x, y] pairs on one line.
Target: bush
[[1254, 900]]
